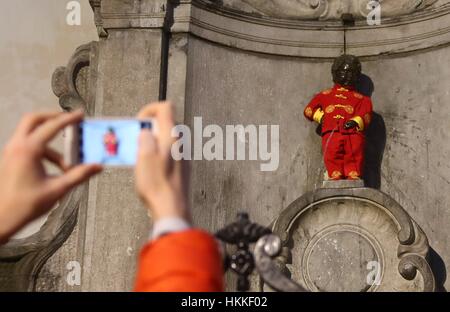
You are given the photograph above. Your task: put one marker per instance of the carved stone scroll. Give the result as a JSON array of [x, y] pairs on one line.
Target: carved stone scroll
[[73, 83], [353, 239]]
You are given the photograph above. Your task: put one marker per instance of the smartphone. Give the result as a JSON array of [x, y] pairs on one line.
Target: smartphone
[[106, 141]]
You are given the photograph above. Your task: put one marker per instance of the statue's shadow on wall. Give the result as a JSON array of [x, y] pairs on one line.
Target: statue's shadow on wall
[[438, 267], [375, 139], [375, 145]]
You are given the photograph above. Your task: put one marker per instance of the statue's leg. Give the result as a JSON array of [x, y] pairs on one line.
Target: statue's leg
[[333, 145], [354, 156]]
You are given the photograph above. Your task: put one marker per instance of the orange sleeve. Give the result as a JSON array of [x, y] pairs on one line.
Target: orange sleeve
[[187, 261]]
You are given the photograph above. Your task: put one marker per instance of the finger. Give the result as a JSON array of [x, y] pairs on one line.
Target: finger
[[50, 128], [178, 174], [29, 122], [73, 177], [151, 110], [147, 152], [147, 160], [147, 143], [163, 113], [55, 158]]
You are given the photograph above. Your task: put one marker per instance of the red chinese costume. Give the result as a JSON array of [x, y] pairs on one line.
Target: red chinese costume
[[344, 115]]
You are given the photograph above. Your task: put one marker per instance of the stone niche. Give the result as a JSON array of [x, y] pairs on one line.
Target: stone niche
[[260, 62]]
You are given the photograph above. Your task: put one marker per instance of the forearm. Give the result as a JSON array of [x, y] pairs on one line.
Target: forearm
[[168, 203]]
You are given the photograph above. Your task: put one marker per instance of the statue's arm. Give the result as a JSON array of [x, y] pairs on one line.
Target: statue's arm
[[313, 110], [363, 115]]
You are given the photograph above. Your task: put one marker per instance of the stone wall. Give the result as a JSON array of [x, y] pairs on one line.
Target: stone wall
[[408, 133]]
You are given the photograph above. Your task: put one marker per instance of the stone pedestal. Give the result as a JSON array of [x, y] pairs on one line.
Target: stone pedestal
[[342, 184], [353, 239]]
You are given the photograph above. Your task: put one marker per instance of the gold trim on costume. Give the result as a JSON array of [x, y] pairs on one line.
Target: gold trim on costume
[[360, 123], [329, 109], [341, 96], [308, 112], [354, 175], [348, 108], [336, 174], [357, 95], [338, 117], [318, 115], [327, 91], [341, 89]]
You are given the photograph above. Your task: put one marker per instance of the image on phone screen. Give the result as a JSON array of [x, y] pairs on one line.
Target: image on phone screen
[[110, 142]]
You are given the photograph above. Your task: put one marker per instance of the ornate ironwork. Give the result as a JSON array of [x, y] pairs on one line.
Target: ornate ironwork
[[241, 233], [242, 262]]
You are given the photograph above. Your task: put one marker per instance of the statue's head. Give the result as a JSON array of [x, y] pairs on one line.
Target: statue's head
[[346, 70]]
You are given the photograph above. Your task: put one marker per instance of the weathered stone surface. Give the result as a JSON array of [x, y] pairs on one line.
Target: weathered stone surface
[[324, 10], [119, 14], [177, 74], [315, 39], [336, 262]]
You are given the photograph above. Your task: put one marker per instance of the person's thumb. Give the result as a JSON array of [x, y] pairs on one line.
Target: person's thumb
[[147, 144]]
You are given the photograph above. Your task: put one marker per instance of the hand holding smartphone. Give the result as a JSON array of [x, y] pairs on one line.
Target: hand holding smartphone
[[106, 141]]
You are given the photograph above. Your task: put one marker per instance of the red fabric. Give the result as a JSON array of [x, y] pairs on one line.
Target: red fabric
[[343, 154], [343, 149], [110, 141], [349, 103], [187, 261]]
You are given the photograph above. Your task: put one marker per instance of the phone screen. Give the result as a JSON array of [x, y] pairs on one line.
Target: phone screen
[[110, 142]]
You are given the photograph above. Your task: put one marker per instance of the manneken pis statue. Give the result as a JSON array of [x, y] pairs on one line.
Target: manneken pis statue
[[344, 114]]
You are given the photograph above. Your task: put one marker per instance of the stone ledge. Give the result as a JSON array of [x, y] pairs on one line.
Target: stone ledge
[[343, 184], [421, 30]]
